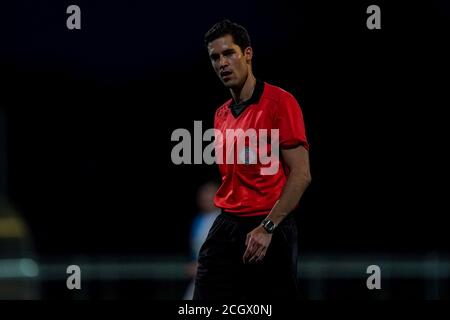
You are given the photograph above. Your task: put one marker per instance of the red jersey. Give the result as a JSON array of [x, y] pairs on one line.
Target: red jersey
[[276, 118]]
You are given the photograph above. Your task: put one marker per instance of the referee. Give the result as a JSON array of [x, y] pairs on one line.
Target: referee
[[251, 249]]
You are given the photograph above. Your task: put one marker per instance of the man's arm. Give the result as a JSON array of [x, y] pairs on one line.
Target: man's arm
[[299, 178], [258, 240]]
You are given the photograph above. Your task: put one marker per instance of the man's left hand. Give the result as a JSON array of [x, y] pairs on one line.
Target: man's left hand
[[257, 242]]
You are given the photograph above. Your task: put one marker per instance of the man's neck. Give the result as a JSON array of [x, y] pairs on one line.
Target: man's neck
[[245, 92]]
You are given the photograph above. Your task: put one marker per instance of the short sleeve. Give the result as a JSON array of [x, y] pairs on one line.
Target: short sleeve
[[290, 122]]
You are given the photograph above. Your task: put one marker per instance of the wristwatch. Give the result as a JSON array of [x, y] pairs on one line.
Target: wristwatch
[[268, 225]]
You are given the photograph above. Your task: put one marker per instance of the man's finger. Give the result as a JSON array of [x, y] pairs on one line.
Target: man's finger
[[257, 253], [262, 255], [247, 239], [250, 250], [246, 255]]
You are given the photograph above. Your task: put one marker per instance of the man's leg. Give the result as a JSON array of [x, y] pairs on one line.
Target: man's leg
[[218, 273], [276, 276]]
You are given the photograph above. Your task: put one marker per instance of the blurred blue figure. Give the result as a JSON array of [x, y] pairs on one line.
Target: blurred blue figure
[[200, 226]]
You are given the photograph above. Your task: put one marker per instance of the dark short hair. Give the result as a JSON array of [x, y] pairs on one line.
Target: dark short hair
[[226, 27]]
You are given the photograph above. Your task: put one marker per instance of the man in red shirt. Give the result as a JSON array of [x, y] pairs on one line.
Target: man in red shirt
[[251, 249]]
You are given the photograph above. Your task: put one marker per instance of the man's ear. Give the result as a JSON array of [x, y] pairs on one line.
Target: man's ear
[[248, 52]]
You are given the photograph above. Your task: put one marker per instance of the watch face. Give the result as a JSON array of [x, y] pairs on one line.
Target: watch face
[[269, 226]]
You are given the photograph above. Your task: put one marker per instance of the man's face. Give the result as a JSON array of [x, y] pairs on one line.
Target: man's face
[[229, 62]]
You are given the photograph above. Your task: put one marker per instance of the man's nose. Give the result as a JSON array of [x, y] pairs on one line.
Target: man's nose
[[223, 62]]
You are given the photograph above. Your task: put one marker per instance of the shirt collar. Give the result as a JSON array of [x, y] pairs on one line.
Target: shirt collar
[[238, 108]]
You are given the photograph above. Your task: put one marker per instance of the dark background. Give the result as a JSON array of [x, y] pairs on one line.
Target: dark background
[[90, 113]]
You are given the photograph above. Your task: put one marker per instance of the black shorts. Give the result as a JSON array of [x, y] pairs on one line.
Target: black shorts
[[221, 273]]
